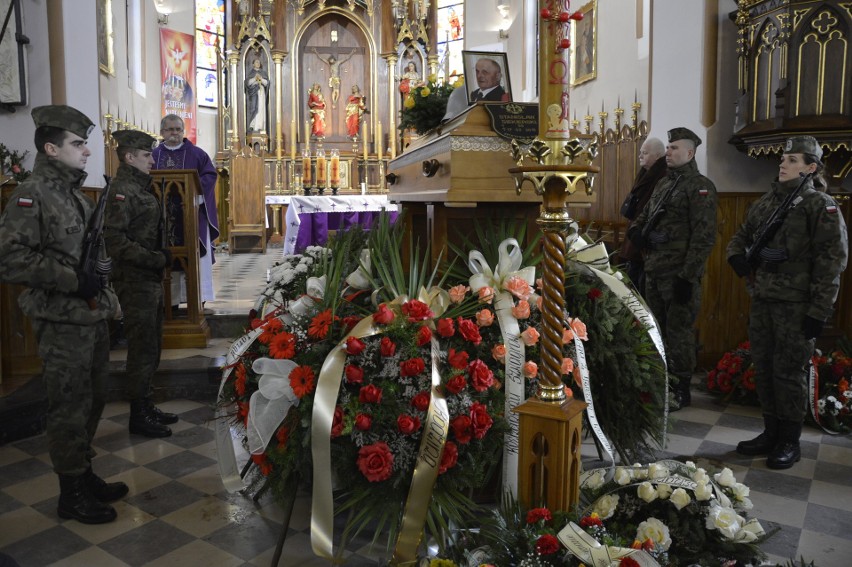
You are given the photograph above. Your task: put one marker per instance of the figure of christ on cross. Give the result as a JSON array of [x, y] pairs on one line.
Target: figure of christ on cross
[[334, 73]]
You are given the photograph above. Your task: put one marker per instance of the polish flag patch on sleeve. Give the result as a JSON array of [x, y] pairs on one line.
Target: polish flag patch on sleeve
[[119, 197], [831, 209], [703, 192], [25, 202]]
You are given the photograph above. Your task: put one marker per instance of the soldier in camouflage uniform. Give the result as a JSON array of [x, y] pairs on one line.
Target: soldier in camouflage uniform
[[42, 232], [676, 231], [134, 239], [793, 285]]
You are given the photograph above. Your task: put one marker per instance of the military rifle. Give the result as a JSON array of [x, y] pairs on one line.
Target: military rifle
[[658, 212], [774, 222], [93, 241]]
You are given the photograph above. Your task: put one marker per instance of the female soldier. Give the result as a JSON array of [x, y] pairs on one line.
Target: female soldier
[[793, 281]]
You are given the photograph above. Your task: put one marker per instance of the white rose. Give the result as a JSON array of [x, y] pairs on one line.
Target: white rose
[[639, 472], [622, 476], [724, 519], [605, 505], [726, 477], [647, 492], [595, 480], [700, 476], [703, 492], [656, 531], [656, 470], [663, 491], [723, 499], [741, 491], [690, 465], [680, 498]]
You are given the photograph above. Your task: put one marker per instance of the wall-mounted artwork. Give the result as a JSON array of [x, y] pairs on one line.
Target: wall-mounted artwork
[[584, 45], [13, 57], [106, 54]]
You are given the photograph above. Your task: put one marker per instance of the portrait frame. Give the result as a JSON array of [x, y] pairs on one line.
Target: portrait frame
[[106, 53], [584, 45], [469, 59], [13, 58]]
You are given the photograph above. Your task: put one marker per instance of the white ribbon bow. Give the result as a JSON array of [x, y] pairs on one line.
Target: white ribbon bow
[[591, 552], [270, 403], [306, 305], [360, 278], [508, 265]]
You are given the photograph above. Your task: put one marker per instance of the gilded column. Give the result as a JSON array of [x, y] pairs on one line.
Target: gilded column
[[278, 60], [233, 60], [391, 60]]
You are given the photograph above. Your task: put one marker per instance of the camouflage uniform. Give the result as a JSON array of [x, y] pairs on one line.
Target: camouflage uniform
[[41, 242], [133, 238], [814, 240], [678, 249]]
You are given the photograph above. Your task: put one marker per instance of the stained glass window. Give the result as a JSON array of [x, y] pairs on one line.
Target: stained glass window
[[209, 32], [450, 38]]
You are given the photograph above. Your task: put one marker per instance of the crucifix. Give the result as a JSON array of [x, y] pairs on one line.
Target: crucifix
[[334, 70]]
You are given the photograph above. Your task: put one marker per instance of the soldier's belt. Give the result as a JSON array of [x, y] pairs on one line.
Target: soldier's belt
[[670, 245], [785, 267]]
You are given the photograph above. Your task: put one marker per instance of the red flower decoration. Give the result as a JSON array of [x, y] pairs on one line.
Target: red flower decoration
[[457, 360], [240, 382], [446, 328], [282, 435], [481, 376], [421, 401], [449, 457], [384, 315], [537, 514], [456, 384], [628, 562], [354, 374], [547, 544], [375, 461], [354, 346], [462, 430], [412, 366], [387, 347], [350, 321], [590, 521], [337, 422], [302, 381], [424, 335], [283, 345], [407, 424], [480, 420], [416, 310], [264, 465], [370, 394], [594, 293], [469, 331], [363, 421], [320, 325]]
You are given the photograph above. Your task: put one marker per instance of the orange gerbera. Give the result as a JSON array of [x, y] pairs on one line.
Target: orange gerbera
[[320, 325], [240, 382], [283, 345], [302, 381]]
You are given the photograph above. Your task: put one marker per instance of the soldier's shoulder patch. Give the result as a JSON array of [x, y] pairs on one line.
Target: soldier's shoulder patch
[[25, 202], [120, 197], [703, 192], [831, 209]]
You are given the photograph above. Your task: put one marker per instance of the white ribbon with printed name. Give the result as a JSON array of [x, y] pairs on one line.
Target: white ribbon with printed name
[[594, 257], [591, 552], [509, 265]]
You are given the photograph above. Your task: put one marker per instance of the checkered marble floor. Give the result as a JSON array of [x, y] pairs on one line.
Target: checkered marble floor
[[178, 513]]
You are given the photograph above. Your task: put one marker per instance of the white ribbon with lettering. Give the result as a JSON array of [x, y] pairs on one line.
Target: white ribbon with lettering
[[591, 552], [509, 265]]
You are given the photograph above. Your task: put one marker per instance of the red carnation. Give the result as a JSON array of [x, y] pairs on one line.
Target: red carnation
[[387, 347], [370, 394], [456, 384], [412, 366], [421, 401], [480, 420], [590, 521], [375, 461], [446, 328], [469, 330], [547, 544], [462, 429], [416, 310], [407, 424], [537, 514], [354, 346], [354, 374], [384, 315], [481, 376], [363, 421], [424, 335], [594, 293], [457, 360], [449, 457]]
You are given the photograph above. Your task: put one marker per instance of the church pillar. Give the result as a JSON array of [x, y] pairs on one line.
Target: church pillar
[[278, 59], [236, 121], [391, 60]]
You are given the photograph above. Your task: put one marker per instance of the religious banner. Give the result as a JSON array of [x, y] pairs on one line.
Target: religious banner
[[177, 67]]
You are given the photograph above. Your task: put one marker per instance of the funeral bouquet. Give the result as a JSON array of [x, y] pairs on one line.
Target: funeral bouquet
[[666, 513], [830, 389], [425, 105], [733, 376], [12, 163]]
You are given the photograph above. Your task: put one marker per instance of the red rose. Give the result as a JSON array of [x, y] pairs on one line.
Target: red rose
[[387, 347], [547, 544], [469, 331], [416, 310], [337, 422], [594, 293], [363, 421], [384, 315], [370, 394], [407, 424], [481, 376], [456, 384], [375, 461], [537, 514], [354, 346], [421, 401], [589, 521], [412, 366], [480, 420], [446, 328], [354, 374], [449, 457], [424, 335], [462, 429], [457, 360]]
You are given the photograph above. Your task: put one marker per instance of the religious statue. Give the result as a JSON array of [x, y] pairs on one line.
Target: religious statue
[[256, 84], [356, 106], [334, 70], [410, 79], [316, 105]]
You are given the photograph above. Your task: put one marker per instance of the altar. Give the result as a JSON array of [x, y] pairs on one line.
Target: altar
[[310, 218]]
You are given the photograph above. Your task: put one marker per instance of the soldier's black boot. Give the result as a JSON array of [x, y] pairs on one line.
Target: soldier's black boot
[[143, 422], [786, 452], [763, 443], [77, 503], [102, 490], [682, 395], [162, 417]]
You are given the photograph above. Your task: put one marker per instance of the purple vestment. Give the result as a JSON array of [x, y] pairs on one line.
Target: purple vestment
[[190, 156]]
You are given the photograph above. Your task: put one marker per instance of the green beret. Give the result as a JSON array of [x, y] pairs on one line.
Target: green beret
[[64, 117], [676, 134], [134, 139], [803, 145]]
